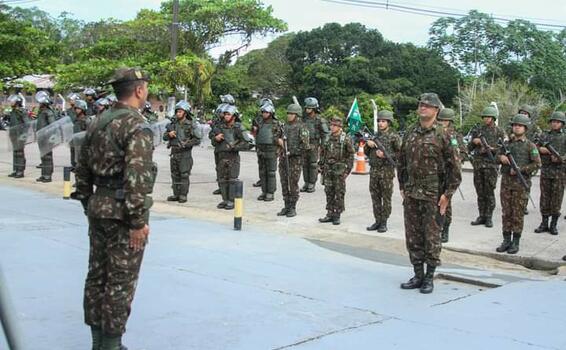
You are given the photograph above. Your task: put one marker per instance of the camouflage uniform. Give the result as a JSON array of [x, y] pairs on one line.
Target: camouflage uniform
[[485, 171], [45, 117], [80, 123], [381, 177], [318, 134], [150, 116], [188, 135], [18, 134], [336, 162], [268, 131]]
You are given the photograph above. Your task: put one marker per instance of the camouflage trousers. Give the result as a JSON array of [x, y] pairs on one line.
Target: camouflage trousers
[[551, 195], [181, 164], [290, 187], [228, 170], [422, 231], [267, 164], [485, 181], [113, 269], [381, 190], [514, 199], [310, 165], [335, 189], [47, 165], [18, 160]]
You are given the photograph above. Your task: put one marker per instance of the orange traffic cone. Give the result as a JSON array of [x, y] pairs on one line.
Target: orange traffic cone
[[360, 166]]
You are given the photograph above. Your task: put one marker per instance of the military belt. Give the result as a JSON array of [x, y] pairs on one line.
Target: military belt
[[114, 182], [118, 194]]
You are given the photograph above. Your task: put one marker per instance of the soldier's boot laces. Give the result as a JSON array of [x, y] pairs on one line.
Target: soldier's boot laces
[[444, 235], [268, 197], [417, 280], [554, 224], [182, 199], [373, 226], [428, 285], [261, 197], [292, 211], [257, 184], [96, 337], [327, 218], [479, 221], [336, 219], [506, 244], [514, 249], [382, 226], [488, 221], [543, 227]]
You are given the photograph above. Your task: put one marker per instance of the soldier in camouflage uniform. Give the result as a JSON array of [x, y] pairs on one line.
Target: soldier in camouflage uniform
[[336, 162], [149, 115], [295, 141], [116, 157], [80, 123], [225, 101], [101, 105], [90, 99], [18, 134], [45, 117], [183, 133], [318, 133], [267, 134], [382, 171], [228, 139], [429, 173], [70, 112], [255, 128], [513, 193], [553, 173], [485, 169], [446, 118]]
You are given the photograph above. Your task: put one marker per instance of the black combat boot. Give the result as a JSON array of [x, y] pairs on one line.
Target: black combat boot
[[44, 179], [543, 227], [96, 333], [261, 197], [373, 226], [428, 285], [285, 209], [19, 175], [564, 258], [336, 219], [444, 234], [12, 174], [327, 218], [229, 205], [479, 221], [553, 224], [268, 197], [310, 188], [526, 211], [217, 191], [514, 249], [182, 199], [109, 342], [292, 209], [305, 187], [172, 198], [382, 226], [417, 280], [506, 244], [488, 221], [257, 184]]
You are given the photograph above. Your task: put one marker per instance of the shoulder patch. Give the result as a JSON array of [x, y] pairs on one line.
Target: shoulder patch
[[454, 142], [534, 151]]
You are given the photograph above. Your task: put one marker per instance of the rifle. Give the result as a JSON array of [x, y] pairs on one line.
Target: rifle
[[286, 151], [546, 143], [504, 146], [367, 135], [484, 144]]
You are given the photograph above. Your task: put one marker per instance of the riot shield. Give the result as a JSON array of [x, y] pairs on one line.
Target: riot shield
[[204, 129], [158, 131], [31, 132], [171, 107], [76, 143], [54, 134]]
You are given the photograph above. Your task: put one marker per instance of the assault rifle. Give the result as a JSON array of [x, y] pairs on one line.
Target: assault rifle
[[286, 151], [366, 135], [484, 144], [544, 142], [513, 164]]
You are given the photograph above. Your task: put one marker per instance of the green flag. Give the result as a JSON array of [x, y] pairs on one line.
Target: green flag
[[354, 118]]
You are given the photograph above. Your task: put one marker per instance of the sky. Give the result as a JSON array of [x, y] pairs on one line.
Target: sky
[[304, 15]]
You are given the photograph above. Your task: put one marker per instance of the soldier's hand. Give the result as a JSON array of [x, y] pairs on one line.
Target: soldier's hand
[[543, 150], [443, 204], [512, 172], [280, 142], [371, 144], [219, 137], [380, 154], [476, 141], [554, 159], [504, 160], [138, 238], [172, 134]]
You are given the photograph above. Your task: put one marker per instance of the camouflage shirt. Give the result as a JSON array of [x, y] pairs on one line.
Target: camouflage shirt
[[117, 158], [337, 155], [392, 143], [480, 157], [549, 168], [297, 138], [429, 164]]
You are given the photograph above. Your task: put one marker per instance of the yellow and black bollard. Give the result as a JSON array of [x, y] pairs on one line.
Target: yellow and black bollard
[[238, 204], [67, 182]]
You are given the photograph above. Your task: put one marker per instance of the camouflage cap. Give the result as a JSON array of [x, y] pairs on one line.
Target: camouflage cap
[[521, 119], [446, 114], [336, 121], [560, 116], [530, 110], [386, 115], [431, 99], [123, 75], [294, 108]]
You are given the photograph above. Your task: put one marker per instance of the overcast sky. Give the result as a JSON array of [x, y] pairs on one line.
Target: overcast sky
[[308, 14]]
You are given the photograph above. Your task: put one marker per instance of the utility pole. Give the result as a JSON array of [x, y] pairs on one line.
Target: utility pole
[[174, 29]]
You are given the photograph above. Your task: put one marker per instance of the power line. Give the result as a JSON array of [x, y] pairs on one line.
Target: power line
[[435, 12]]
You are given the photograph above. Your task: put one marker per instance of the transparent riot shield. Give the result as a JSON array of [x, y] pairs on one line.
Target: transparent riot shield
[[76, 143], [158, 131], [31, 132], [171, 107], [54, 134], [17, 137]]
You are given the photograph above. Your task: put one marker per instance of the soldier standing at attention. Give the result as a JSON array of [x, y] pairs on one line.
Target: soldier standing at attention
[[485, 165], [72, 97], [336, 162], [90, 99], [225, 102], [268, 131], [45, 117], [553, 173], [429, 174], [446, 118], [18, 135], [382, 171], [318, 133], [255, 128], [80, 123], [514, 195], [228, 139], [291, 158], [116, 157], [183, 134]]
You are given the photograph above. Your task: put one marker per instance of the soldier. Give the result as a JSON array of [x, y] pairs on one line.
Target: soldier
[[183, 133], [18, 134], [228, 139], [293, 142], [70, 112], [318, 133], [45, 117], [553, 173], [513, 192], [149, 115], [382, 171], [336, 162], [118, 211], [226, 100], [90, 99], [101, 105], [429, 173], [255, 128], [267, 134], [485, 165], [80, 123], [446, 119]]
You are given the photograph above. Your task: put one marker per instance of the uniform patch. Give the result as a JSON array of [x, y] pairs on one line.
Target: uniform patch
[[534, 152], [454, 142]]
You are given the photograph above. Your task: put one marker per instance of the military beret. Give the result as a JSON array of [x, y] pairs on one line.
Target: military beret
[[123, 75], [431, 99]]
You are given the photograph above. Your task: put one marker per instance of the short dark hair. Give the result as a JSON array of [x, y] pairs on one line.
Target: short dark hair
[[127, 88]]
